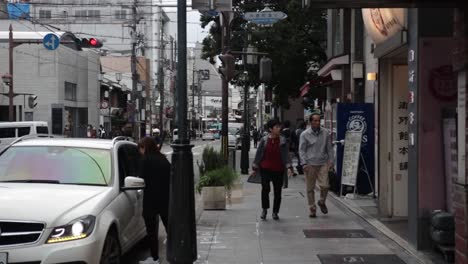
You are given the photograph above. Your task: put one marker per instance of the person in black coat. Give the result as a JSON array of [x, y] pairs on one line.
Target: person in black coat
[[155, 169]]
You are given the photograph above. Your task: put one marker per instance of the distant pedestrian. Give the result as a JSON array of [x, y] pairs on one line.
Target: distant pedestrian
[[155, 169], [255, 136], [67, 131], [272, 161], [157, 138], [288, 135], [316, 153], [297, 135], [102, 132]]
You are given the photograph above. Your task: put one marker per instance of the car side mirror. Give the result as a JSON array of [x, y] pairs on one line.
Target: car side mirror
[[133, 183]]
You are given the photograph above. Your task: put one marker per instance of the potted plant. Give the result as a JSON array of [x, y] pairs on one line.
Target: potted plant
[[216, 178]]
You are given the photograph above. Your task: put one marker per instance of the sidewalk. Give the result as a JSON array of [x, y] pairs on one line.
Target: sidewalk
[[237, 235]]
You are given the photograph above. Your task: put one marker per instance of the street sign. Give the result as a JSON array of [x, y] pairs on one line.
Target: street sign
[[213, 5], [204, 74], [265, 17], [51, 41], [212, 13]]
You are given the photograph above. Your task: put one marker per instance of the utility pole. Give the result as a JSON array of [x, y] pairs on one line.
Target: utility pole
[[193, 95], [182, 237], [225, 35], [134, 70], [161, 78], [11, 94]]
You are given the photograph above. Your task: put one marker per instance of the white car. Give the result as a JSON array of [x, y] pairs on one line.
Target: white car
[[208, 136], [233, 141], [69, 200]]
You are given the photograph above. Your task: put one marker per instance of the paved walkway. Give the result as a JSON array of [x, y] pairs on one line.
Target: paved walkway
[[238, 235]]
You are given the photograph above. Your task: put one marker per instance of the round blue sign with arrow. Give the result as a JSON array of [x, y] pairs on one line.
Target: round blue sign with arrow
[[51, 41]]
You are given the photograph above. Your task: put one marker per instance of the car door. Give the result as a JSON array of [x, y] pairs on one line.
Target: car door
[[134, 165], [128, 201]]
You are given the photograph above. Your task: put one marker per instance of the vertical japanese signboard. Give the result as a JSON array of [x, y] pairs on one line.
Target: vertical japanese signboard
[[356, 118], [352, 152]]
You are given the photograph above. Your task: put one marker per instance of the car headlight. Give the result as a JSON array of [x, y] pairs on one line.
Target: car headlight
[[76, 229]]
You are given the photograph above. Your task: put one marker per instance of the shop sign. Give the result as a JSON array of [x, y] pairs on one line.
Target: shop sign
[[383, 23]]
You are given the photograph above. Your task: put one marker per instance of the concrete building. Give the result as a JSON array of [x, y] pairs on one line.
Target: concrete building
[[413, 66], [64, 81], [111, 22]]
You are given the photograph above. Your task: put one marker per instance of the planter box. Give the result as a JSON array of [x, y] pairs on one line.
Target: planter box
[[214, 198]]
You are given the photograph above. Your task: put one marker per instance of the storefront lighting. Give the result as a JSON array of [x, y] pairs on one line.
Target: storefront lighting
[[372, 76]]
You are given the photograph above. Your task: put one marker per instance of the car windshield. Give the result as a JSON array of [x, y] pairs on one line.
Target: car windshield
[[56, 164], [233, 130]]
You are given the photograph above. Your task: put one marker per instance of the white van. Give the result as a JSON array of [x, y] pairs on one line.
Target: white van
[[9, 131]]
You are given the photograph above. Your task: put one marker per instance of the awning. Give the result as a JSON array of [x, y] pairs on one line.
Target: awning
[[318, 82], [332, 64], [305, 89]]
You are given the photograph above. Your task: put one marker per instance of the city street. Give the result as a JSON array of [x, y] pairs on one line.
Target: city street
[[369, 95]]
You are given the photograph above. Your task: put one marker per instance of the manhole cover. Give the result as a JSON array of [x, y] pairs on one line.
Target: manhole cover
[[360, 259], [336, 233]]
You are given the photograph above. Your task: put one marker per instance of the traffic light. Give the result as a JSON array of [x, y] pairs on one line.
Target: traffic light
[[32, 101], [90, 43], [228, 67], [265, 69]]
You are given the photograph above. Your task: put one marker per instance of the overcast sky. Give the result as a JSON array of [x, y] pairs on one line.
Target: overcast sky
[[194, 31]]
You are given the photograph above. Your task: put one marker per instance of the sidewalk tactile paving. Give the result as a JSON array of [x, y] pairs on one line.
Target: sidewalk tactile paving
[[336, 233], [360, 259]]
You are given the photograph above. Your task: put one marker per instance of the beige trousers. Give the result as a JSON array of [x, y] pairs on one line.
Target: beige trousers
[[316, 174]]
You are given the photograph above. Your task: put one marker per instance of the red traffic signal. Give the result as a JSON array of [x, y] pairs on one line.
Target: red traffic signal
[[90, 43]]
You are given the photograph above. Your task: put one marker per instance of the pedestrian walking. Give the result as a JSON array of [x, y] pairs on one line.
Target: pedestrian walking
[[101, 132], [272, 161], [157, 137], [155, 169], [255, 137], [289, 136], [300, 128], [316, 153]]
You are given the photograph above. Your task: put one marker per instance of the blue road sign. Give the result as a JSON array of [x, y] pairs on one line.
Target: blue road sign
[[265, 17], [51, 41], [212, 13]]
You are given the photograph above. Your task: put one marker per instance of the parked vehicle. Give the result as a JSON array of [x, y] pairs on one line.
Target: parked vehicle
[[208, 136], [75, 200], [9, 131], [233, 141], [235, 129]]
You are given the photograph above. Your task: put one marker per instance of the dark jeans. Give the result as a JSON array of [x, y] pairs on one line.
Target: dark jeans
[[277, 179], [255, 143], [152, 229]]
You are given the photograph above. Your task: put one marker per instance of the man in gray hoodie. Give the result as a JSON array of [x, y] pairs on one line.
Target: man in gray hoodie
[[316, 153]]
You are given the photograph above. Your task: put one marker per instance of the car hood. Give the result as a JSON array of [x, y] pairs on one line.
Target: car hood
[[50, 203]]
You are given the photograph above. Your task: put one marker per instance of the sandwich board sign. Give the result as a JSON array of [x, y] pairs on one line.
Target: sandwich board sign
[[352, 153]]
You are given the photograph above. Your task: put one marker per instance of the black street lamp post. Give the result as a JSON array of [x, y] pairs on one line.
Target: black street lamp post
[[181, 239], [246, 131]]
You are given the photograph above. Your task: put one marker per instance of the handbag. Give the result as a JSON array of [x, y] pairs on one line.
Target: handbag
[[255, 178], [332, 180]]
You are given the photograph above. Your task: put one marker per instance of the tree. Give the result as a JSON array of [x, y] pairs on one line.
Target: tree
[[294, 44]]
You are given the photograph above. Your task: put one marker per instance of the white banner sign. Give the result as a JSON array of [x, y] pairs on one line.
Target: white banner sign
[[352, 152]]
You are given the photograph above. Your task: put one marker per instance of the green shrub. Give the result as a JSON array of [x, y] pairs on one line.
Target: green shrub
[[224, 176], [211, 160]]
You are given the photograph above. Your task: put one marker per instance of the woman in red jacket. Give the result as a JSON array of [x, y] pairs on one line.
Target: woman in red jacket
[[271, 161]]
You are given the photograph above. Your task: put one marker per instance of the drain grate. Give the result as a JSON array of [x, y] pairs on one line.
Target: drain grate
[[336, 233], [360, 259]]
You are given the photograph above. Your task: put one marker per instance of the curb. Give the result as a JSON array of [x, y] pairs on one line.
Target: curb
[[421, 257]]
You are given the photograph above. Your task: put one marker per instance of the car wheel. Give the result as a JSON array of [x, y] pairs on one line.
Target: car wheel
[[111, 251]]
